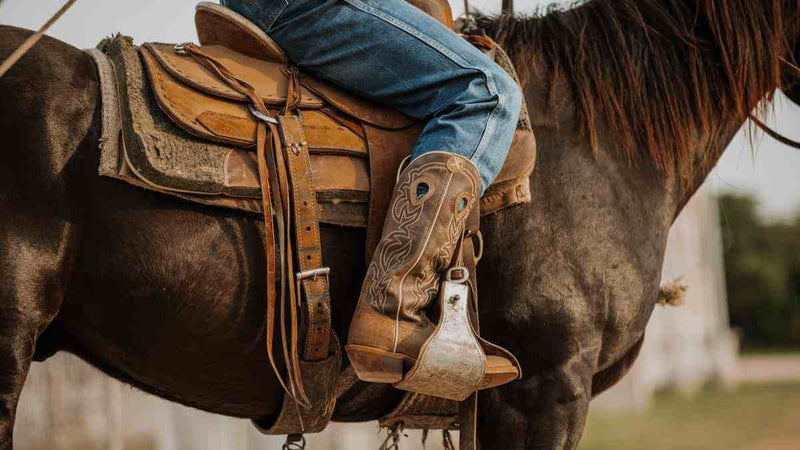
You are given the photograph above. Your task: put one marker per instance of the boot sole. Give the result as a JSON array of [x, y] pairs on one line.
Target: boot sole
[[376, 366], [380, 366]]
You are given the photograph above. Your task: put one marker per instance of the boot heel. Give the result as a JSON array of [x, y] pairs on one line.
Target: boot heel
[[375, 366]]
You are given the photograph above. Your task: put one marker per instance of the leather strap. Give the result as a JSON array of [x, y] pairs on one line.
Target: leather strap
[[468, 419], [468, 409], [312, 278], [269, 242], [292, 383]]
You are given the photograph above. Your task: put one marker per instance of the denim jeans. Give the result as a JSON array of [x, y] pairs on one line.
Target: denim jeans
[[393, 53]]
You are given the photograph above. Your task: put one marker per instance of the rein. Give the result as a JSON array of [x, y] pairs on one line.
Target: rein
[[774, 134], [33, 39]]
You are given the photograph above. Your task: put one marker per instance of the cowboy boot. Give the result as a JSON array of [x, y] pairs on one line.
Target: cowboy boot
[[432, 199]]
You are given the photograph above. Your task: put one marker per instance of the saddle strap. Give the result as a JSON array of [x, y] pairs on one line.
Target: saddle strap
[[293, 382], [312, 279], [468, 409]]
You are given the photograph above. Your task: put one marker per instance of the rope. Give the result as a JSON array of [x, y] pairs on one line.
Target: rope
[[33, 39]]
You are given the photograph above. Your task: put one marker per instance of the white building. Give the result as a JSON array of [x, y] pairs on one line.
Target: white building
[[687, 346]]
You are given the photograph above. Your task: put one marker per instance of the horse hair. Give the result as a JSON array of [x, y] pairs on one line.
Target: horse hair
[[660, 73]]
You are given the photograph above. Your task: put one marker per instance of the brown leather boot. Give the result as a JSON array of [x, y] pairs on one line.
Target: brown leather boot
[[432, 199]]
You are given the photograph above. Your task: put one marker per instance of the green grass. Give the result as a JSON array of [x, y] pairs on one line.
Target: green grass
[[753, 417]]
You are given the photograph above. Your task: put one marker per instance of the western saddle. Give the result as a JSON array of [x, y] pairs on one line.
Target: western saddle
[[294, 142]]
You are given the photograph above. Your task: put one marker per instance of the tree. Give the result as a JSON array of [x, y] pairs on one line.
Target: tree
[[762, 271]]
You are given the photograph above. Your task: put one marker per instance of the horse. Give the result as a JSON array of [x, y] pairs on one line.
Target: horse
[[633, 102]]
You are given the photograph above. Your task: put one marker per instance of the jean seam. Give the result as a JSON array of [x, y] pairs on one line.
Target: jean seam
[[267, 29], [488, 79]]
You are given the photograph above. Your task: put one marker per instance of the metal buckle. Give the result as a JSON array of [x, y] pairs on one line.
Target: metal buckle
[[323, 271], [463, 271], [181, 48], [313, 274], [261, 116]]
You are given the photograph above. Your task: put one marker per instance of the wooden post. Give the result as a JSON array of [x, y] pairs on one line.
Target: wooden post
[[508, 6]]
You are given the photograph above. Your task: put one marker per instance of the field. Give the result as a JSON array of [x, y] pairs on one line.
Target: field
[[753, 417]]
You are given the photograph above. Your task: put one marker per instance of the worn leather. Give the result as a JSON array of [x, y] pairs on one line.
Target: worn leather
[[209, 117], [321, 393], [218, 25], [384, 163], [338, 130], [381, 331], [333, 174], [268, 78], [348, 126], [423, 412], [418, 241], [309, 245], [363, 110]]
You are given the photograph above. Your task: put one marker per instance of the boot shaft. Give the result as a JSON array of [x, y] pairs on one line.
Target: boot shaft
[[432, 199]]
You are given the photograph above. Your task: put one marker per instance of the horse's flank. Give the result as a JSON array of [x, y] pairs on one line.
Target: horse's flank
[[660, 73]]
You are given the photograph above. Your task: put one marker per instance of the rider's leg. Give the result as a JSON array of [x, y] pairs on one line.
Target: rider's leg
[[392, 53]]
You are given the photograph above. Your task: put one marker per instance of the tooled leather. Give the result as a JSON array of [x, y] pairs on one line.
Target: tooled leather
[[402, 277], [427, 285], [396, 245]]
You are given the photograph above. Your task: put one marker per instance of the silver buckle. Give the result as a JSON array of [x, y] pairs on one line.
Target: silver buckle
[[323, 271], [313, 274], [261, 116], [181, 48]]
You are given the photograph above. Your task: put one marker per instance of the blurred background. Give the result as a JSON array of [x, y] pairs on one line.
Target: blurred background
[[720, 372]]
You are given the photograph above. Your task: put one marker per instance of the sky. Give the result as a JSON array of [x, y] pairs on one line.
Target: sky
[[769, 170]]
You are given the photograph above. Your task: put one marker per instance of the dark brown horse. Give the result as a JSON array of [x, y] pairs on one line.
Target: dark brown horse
[[633, 102]]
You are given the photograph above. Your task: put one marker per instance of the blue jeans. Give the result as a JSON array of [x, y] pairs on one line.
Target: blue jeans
[[393, 53]]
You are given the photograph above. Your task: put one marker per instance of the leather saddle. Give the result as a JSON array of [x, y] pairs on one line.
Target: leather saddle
[[356, 146], [294, 147]]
